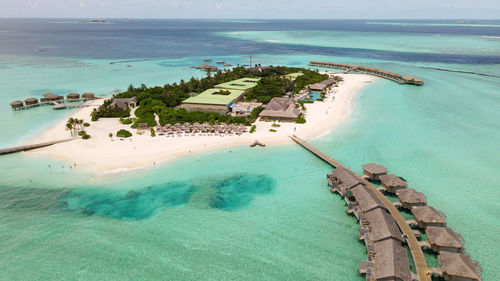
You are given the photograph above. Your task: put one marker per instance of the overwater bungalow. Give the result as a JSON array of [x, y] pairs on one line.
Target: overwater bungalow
[[444, 239], [410, 198], [88, 96], [73, 96], [392, 183], [364, 200], [17, 104], [378, 225], [373, 171], [50, 97], [390, 262], [342, 180], [428, 216], [458, 267], [31, 101]]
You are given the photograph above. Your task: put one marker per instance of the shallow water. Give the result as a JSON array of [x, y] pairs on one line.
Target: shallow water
[[241, 213]]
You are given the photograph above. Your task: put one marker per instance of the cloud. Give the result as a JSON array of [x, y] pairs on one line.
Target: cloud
[[82, 4], [33, 3]]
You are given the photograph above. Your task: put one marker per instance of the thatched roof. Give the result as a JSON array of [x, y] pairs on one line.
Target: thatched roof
[[73, 96], [345, 176], [428, 214], [31, 100], [50, 95], [392, 180], [411, 196], [366, 200], [459, 265], [390, 261], [88, 95], [281, 108], [444, 237], [382, 226], [16, 103], [373, 168]]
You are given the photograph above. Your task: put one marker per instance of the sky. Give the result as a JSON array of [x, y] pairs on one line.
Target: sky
[[253, 9]]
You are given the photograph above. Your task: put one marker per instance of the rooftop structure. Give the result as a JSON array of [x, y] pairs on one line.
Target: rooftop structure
[[413, 80], [428, 216], [444, 239], [243, 84], [244, 108], [410, 198], [48, 97], [124, 103], [142, 126], [212, 100], [379, 226], [392, 183], [341, 180], [365, 199], [390, 262], [281, 109], [458, 267], [73, 96], [374, 171], [31, 101], [321, 86], [88, 96], [16, 104]]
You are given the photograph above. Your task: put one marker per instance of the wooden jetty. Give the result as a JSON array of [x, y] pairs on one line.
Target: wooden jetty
[[396, 77], [32, 146], [423, 271]]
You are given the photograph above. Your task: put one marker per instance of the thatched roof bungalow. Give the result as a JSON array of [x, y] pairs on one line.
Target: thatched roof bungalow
[[31, 101], [428, 216], [321, 86], [374, 171], [392, 183], [88, 96], [73, 96], [458, 267], [390, 262], [342, 180], [48, 97], [380, 226], [444, 239], [124, 103], [142, 126], [281, 109], [16, 104], [410, 198], [365, 199]]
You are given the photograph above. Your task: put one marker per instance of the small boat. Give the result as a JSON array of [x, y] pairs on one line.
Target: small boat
[[228, 64], [220, 62]]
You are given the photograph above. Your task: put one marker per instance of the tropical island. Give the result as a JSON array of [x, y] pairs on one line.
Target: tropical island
[[242, 106]]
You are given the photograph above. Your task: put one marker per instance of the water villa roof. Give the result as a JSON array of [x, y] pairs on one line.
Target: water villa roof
[[382, 226], [242, 84], [88, 96], [17, 104], [392, 181], [411, 196], [366, 200], [29, 101], [347, 179], [427, 214], [390, 262], [73, 96], [458, 265], [373, 168], [444, 237], [281, 108], [213, 97], [50, 95]]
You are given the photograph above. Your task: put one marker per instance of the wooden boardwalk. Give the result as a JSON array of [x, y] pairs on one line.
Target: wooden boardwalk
[[423, 271], [31, 146]]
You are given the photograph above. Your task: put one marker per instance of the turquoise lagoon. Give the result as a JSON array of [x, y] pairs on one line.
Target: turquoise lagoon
[[241, 213]]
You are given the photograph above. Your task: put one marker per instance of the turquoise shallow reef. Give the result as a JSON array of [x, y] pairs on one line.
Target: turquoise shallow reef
[[241, 213]]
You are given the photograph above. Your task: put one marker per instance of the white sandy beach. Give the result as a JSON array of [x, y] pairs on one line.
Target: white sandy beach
[[101, 154]]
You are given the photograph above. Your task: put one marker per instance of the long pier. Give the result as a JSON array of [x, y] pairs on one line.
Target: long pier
[[396, 77], [423, 271], [31, 146]]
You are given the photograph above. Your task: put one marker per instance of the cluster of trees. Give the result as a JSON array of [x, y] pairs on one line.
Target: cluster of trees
[[172, 116], [122, 134], [73, 125], [107, 109]]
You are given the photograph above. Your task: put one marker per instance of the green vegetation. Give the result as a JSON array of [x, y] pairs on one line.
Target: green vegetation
[[300, 120], [86, 124], [123, 134], [153, 133], [74, 124], [276, 125], [82, 133], [86, 137], [252, 130], [126, 121], [272, 130], [255, 112], [109, 110], [172, 116], [110, 135], [224, 92]]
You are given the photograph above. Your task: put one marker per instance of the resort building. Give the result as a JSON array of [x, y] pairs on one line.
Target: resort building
[[428, 216], [378, 225], [392, 183], [323, 85], [243, 84], [458, 267], [213, 100], [142, 126], [444, 239], [373, 171], [31, 101], [284, 109], [88, 96], [341, 180], [410, 198], [17, 104], [73, 96], [244, 108], [50, 97], [361, 200], [413, 80], [389, 262], [124, 103]]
